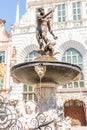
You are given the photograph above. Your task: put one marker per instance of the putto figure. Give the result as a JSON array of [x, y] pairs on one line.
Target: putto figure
[[43, 26]]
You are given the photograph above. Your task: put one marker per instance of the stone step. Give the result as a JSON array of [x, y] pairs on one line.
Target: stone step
[[79, 128], [75, 128]]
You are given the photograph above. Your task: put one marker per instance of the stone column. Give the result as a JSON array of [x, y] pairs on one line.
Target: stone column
[[86, 112]]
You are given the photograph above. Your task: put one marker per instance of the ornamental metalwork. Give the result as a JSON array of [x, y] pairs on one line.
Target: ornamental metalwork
[[8, 120], [40, 122]]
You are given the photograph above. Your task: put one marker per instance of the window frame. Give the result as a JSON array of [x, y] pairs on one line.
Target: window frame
[[73, 52], [76, 14], [60, 11]]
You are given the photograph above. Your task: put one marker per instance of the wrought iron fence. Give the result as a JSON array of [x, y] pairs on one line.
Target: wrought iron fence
[[8, 119]]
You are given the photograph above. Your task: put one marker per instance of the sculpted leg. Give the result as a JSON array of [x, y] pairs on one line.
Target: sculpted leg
[[39, 39], [49, 48]]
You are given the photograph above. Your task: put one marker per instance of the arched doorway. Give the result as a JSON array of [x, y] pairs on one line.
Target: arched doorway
[[75, 109]]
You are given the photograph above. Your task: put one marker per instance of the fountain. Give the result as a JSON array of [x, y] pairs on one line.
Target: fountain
[[46, 74]]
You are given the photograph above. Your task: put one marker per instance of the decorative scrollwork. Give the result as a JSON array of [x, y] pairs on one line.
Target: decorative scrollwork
[[41, 118], [8, 120], [40, 121], [1, 100], [47, 128], [34, 122], [16, 125]]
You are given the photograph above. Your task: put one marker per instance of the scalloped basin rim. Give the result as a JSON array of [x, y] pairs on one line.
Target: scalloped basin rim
[[59, 73], [35, 63]]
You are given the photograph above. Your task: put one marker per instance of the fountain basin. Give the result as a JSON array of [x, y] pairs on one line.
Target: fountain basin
[[59, 73]]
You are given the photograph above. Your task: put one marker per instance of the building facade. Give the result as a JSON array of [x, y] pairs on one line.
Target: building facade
[[69, 23], [5, 41]]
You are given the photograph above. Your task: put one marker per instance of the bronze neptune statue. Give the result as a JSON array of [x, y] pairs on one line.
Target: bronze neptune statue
[[43, 26]]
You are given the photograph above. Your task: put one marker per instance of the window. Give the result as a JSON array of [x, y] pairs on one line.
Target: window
[[51, 15], [2, 56], [76, 10], [31, 56], [2, 60], [86, 8], [1, 75], [28, 91], [74, 103], [36, 12], [74, 57], [1, 82], [61, 13]]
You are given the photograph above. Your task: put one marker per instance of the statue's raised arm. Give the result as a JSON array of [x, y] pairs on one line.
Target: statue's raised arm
[[47, 14]]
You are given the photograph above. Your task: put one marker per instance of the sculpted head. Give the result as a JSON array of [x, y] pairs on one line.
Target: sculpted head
[[41, 9]]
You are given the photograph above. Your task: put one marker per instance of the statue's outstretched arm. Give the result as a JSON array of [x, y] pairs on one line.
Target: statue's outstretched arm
[[47, 14], [44, 16]]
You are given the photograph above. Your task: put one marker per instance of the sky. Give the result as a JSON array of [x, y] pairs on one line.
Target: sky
[[8, 11]]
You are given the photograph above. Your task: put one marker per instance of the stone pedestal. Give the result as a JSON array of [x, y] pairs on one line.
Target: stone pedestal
[[46, 94]]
